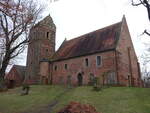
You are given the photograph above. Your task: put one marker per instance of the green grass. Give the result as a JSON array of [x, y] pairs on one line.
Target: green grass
[[12, 102], [109, 100]]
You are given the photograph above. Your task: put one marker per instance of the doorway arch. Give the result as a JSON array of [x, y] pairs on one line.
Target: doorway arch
[[80, 79]]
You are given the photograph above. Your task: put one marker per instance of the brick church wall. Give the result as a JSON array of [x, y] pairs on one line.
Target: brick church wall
[[127, 60], [13, 78], [41, 47], [121, 62], [77, 65]]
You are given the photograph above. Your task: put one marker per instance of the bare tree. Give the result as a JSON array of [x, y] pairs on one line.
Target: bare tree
[[146, 75], [145, 59], [146, 4], [16, 19]]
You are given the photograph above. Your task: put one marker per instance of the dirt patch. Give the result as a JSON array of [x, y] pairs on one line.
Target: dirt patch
[[76, 107]]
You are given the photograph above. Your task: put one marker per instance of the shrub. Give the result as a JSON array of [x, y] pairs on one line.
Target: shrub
[[91, 80], [25, 89], [96, 84]]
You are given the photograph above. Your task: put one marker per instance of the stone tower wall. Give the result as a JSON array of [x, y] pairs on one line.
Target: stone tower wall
[[41, 47]]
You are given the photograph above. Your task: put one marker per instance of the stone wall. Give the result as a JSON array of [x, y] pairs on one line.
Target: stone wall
[[127, 59], [76, 66], [13, 78], [41, 47]]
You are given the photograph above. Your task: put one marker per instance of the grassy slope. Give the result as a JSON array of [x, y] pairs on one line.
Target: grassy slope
[[12, 102], [110, 100]]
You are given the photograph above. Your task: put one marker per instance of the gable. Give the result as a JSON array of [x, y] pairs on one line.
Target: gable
[[16, 71], [125, 40], [101, 40], [21, 70]]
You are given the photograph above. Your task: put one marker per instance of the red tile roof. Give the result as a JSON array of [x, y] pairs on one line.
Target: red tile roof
[[97, 41], [20, 69]]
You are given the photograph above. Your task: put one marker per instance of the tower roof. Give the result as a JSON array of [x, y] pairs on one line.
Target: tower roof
[[47, 21]]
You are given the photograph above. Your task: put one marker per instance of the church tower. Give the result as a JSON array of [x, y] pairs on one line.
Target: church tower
[[41, 47]]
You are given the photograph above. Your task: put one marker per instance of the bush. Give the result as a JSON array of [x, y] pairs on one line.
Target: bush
[[96, 84], [91, 80], [25, 89]]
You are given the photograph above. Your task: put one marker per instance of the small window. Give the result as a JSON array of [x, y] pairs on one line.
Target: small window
[[66, 66], [46, 50], [86, 62], [55, 68], [47, 35], [98, 60]]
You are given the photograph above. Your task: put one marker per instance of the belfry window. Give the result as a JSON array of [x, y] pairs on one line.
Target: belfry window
[[86, 62], [47, 35]]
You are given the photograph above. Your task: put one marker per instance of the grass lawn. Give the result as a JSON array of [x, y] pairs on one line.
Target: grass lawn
[[12, 102], [109, 100]]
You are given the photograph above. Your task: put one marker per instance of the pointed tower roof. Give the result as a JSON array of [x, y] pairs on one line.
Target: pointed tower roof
[[47, 21]]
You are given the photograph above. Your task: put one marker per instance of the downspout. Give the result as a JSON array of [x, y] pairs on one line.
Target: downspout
[[130, 66], [116, 62]]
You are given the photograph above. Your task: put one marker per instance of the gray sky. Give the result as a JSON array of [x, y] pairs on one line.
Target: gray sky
[[77, 17]]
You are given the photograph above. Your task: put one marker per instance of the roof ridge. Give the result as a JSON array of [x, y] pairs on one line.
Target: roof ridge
[[122, 21], [19, 65], [65, 40], [81, 36], [99, 40]]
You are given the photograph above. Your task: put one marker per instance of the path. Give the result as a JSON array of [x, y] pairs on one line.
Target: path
[[48, 108]]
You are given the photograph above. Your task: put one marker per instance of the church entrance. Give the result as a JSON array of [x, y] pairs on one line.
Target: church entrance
[[11, 84], [80, 79]]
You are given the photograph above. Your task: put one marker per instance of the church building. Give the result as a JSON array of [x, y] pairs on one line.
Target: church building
[[106, 53]]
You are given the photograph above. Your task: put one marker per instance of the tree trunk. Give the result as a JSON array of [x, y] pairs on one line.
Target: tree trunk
[[3, 68], [2, 71]]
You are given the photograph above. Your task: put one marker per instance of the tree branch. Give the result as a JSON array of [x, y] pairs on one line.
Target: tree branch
[[136, 4], [16, 19], [146, 32], [21, 43], [18, 52]]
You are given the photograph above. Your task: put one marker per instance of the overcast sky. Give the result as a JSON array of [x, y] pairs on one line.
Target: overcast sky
[[77, 17]]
